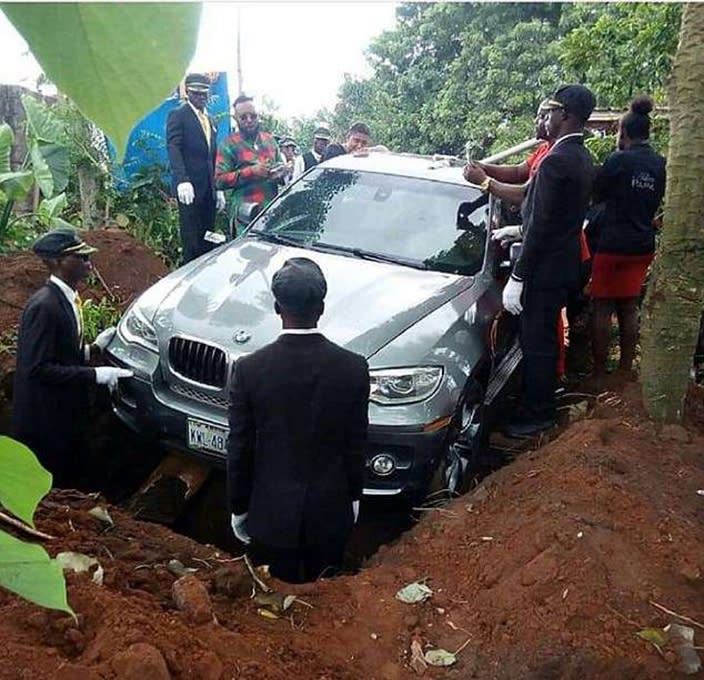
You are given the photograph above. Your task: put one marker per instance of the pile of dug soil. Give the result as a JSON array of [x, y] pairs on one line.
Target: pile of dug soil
[[547, 570], [127, 267]]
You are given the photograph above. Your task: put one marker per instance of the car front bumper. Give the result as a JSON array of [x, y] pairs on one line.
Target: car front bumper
[[415, 453]]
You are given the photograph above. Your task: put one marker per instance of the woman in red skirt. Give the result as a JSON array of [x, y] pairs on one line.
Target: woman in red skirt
[[632, 184]]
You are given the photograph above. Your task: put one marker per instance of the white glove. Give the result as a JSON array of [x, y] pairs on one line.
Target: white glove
[[220, 200], [108, 375], [507, 234], [104, 338], [512, 296], [185, 193], [239, 528], [355, 510]]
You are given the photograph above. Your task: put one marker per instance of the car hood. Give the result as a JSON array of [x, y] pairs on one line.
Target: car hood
[[226, 298]]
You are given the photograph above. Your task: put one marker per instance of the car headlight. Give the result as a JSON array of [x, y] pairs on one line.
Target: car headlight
[[134, 327], [404, 385]]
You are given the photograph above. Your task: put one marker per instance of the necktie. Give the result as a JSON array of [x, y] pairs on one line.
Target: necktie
[[79, 306], [205, 124]]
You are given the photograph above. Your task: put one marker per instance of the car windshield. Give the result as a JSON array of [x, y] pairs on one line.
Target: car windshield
[[415, 222]]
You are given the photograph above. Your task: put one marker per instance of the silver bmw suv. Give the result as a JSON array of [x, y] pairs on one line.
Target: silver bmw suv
[[414, 285]]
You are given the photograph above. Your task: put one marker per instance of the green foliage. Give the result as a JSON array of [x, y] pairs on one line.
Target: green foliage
[[98, 315], [455, 73], [147, 210], [600, 147], [115, 61], [27, 569]]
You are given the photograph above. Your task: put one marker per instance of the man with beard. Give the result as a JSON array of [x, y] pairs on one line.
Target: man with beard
[[190, 140], [548, 267], [248, 163]]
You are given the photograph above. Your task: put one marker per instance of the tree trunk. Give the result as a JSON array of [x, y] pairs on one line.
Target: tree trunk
[[88, 189], [674, 303]]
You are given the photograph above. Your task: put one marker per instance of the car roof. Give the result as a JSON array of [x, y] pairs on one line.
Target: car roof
[[438, 168]]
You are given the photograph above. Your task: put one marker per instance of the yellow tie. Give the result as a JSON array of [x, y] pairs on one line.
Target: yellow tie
[[205, 124], [79, 306]]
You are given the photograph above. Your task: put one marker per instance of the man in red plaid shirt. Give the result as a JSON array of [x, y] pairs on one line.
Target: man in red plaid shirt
[[248, 161]]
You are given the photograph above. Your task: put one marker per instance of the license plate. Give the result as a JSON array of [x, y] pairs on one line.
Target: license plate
[[207, 437]]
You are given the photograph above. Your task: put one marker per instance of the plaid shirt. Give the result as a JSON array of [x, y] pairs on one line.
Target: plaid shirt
[[233, 170]]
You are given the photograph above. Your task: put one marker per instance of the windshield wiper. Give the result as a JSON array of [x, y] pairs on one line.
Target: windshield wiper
[[276, 238], [369, 255]]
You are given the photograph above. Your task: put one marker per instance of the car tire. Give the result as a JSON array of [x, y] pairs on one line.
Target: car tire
[[462, 446]]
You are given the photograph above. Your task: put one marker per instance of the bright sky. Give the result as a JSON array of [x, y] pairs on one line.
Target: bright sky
[[295, 53]]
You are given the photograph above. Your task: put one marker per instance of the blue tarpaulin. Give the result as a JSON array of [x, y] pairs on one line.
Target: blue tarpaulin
[[147, 141]]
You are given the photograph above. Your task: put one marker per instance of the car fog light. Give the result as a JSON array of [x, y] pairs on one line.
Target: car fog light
[[383, 464]]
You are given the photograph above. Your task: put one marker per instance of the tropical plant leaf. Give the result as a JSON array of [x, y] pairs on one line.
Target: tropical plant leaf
[[50, 208], [16, 185], [27, 569], [116, 61], [23, 481], [7, 139], [57, 158], [42, 171], [43, 124]]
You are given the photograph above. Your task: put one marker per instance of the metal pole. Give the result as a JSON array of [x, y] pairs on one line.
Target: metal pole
[[240, 84]]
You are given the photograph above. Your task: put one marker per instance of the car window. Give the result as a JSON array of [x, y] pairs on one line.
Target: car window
[[409, 218]]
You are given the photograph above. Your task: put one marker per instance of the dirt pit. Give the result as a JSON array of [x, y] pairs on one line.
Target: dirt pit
[[548, 570]]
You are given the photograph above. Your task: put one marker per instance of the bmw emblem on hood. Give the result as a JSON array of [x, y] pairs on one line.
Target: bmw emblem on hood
[[241, 337]]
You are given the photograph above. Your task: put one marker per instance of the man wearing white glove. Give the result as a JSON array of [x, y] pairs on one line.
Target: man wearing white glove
[[191, 144], [52, 378], [507, 235], [548, 266], [296, 452]]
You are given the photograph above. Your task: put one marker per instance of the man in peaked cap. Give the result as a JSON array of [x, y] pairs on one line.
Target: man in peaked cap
[[192, 145], [50, 392], [298, 428], [548, 267], [304, 162]]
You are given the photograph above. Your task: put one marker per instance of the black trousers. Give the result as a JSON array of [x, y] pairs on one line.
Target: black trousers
[[303, 563], [195, 220], [541, 307]]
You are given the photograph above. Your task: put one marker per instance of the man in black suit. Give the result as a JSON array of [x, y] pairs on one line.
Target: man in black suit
[[52, 378], [548, 268], [191, 143], [298, 428]]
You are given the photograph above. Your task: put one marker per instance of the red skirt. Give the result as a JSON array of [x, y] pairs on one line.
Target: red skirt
[[618, 276]]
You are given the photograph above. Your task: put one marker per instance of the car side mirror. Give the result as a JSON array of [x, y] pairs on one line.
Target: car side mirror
[[466, 208], [247, 212]]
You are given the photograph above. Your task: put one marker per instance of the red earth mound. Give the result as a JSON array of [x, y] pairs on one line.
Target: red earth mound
[[547, 570]]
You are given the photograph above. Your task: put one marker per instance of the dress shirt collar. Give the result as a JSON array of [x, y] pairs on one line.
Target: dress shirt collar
[[64, 288], [572, 135], [197, 111], [300, 331]]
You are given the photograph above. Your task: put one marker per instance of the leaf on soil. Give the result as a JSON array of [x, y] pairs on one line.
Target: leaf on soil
[[440, 657], [27, 569], [23, 481], [102, 514], [98, 575], [418, 662], [682, 641], [77, 562], [414, 592], [655, 636], [275, 602], [267, 614]]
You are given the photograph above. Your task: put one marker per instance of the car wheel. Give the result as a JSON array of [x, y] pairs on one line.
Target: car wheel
[[462, 445]]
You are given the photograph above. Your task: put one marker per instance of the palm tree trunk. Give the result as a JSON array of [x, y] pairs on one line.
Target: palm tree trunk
[[674, 303]]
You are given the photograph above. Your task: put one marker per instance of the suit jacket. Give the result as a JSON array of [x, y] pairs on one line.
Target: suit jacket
[[298, 428], [191, 159], [553, 212], [51, 381]]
